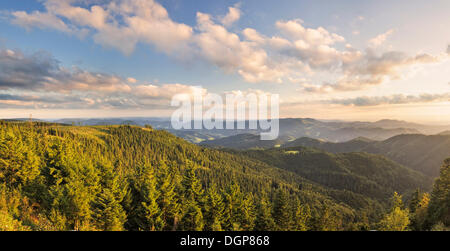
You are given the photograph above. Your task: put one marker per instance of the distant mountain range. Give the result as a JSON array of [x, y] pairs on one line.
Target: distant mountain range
[[290, 129], [400, 141]]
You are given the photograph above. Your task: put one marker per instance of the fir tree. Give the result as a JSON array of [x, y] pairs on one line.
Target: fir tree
[[192, 186], [149, 209], [264, 219], [168, 199], [302, 215], [438, 210], [192, 219], [214, 210], [108, 213], [397, 219], [281, 213]]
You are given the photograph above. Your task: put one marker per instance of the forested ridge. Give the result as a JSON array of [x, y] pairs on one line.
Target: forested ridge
[[57, 177], [423, 153]]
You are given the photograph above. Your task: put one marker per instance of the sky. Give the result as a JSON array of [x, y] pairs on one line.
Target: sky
[[348, 60]]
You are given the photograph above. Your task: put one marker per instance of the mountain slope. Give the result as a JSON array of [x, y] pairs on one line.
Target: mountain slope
[[290, 128], [241, 142], [367, 174], [66, 174], [422, 153], [343, 147]]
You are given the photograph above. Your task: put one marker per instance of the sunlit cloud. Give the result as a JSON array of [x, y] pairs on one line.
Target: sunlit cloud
[[38, 81], [380, 39], [391, 100], [299, 50]]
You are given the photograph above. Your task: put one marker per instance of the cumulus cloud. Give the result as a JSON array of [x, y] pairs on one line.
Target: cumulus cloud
[[253, 36], [43, 21], [234, 14], [226, 50], [295, 51], [40, 71], [131, 80], [42, 83], [380, 39], [117, 24], [320, 36], [372, 69], [167, 91]]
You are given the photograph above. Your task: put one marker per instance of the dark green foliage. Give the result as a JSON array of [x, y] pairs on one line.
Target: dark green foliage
[[439, 207], [264, 219], [214, 210], [361, 173], [281, 213], [423, 153], [55, 177]]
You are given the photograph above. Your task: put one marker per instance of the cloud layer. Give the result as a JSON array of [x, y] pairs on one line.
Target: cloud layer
[[391, 100], [38, 81], [295, 52]]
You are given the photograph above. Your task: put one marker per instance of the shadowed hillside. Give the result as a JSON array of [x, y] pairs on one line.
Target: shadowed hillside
[[420, 152]]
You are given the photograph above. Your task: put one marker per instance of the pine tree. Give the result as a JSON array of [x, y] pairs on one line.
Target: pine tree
[[420, 212], [108, 213], [302, 215], [108, 210], [192, 219], [415, 200], [74, 184], [281, 213], [325, 220], [168, 199], [232, 211], [193, 199], [247, 212], [192, 186], [214, 210], [396, 201], [149, 209], [397, 219], [264, 219], [18, 164], [438, 211]]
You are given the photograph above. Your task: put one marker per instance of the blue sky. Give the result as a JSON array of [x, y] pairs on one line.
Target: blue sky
[[356, 60]]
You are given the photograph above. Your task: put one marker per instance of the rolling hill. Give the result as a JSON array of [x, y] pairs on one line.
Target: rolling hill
[[241, 142], [290, 128], [362, 173], [422, 153], [66, 176]]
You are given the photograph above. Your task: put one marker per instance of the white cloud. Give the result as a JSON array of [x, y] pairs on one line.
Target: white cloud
[[320, 36], [390, 100], [131, 80], [380, 39], [226, 50], [253, 35], [292, 53], [234, 14], [371, 69], [43, 21], [166, 91], [120, 24], [43, 83]]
